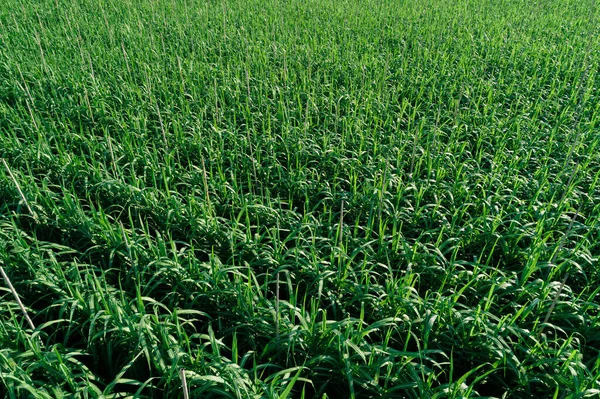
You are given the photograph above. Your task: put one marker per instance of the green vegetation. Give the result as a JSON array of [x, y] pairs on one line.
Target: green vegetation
[[297, 199]]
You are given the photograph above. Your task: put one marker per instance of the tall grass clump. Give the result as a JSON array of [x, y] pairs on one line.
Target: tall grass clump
[[298, 199]]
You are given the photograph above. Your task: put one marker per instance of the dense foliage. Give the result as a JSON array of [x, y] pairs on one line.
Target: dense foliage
[[317, 198]]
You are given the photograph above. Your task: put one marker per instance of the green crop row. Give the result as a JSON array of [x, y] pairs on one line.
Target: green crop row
[[298, 199]]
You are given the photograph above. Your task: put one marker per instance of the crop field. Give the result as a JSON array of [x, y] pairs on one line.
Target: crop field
[[299, 199]]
